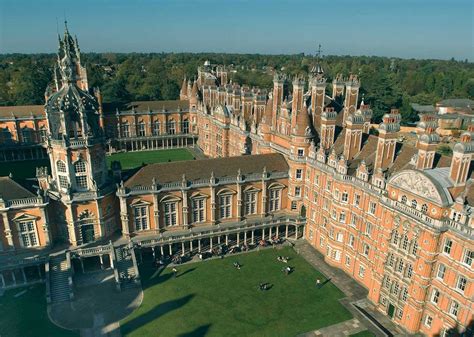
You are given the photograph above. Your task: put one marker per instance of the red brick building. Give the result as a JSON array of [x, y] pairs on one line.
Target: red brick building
[[396, 218]]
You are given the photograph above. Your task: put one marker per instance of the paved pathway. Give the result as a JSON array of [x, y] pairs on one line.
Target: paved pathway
[[97, 307], [342, 329], [356, 294]]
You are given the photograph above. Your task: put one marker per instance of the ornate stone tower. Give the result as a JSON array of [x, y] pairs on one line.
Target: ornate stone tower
[[76, 146]]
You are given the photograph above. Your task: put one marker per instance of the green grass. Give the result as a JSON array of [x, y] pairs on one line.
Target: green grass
[[213, 298], [130, 160], [22, 169], [25, 316], [365, 333]]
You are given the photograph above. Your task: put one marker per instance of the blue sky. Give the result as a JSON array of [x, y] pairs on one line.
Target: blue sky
[[401, 28]]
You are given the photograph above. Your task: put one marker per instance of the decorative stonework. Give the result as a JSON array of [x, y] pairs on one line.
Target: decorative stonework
[[417, 183]]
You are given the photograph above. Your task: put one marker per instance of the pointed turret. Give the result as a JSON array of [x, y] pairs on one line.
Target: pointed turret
[[183, 93]]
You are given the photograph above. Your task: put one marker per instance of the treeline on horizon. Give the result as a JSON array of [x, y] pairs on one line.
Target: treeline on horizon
[[385, 82]]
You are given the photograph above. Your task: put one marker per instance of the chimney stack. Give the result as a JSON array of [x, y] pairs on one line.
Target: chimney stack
[[328, 127], [353, 137], [387, 142], [462, 156]]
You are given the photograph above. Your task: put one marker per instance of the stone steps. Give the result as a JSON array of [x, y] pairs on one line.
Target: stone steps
[[59, 278]]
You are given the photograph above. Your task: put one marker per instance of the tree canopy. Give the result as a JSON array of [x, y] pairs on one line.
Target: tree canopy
[[385, 82]]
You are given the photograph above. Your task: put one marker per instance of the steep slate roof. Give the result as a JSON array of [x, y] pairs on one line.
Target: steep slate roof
[[21, 111], [145, 106], [201, 169], [10, 189]]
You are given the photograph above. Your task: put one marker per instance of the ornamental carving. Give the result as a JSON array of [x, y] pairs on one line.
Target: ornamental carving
[[416, 183]]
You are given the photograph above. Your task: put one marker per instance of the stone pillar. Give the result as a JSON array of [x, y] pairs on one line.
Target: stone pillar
[[156, 210], [82, 265], [71, 226], [239, 196], [185, 207], [191, 246], [296, 232], [263, 234], [2, 280], [182, 248], [101, 259], [278, 232], [47, 233], [245, 237], [210, 240], [219, 240], [286, 232], [252, 239], [227, 240], [162, 251], [213, 202], [8, 231], [199, 245], [124, 216], [263, 210], [100, 220], [171, 252], [13, 277]]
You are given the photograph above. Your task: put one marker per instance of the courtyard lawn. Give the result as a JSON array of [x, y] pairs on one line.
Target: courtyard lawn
[[26, 316], [22, 169], [130, 160], [213, 298]]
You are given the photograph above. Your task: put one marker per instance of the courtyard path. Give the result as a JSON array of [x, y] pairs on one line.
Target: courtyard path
[[356, 294], [97, 307]]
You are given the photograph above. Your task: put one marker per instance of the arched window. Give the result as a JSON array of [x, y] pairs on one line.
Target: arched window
[[424, 208], [185, 126], [405, 243], [404, 199], [171, 127], [80, 166], [141, 129], [125, 130], [61, 166], [414, 203], [156, 128], [81, 174], [62, 174]]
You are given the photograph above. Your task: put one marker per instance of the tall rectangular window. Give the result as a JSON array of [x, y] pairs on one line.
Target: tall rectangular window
[[441, 271], [299, 174], [345, 197], [468, 257], [141, 130], [368, 229], [171, 218], [357, 200], [274, 200], [28, 233], [250, 203], [199, 209], [225, 205], [448, 243], [461, 283], [156, 128], [454, 308], [372, 207], [141, 218], [125, 130], [435, 296]]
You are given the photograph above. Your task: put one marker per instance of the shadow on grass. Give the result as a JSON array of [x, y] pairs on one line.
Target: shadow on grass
[[200, 331], [185, 272], [155, 313]]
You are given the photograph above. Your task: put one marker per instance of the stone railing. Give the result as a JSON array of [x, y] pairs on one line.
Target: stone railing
[[24, 202], [232, 228], [411, 212], [92, 251], [205, 182]]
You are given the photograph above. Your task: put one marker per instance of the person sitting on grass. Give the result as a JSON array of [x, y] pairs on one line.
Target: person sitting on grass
[[287, 270], [237, 265]]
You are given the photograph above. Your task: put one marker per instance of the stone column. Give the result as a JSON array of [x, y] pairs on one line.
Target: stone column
[[239, 195], [8, 231], [124, 216], [263, 234], [47, 233], [156, 210], [100, 221], [213, 199], [286, 232], [2, 280], [171, 252], [71, 225], [263, 210], [182, 248], [238, 239], [185, 208], [252, 238]]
